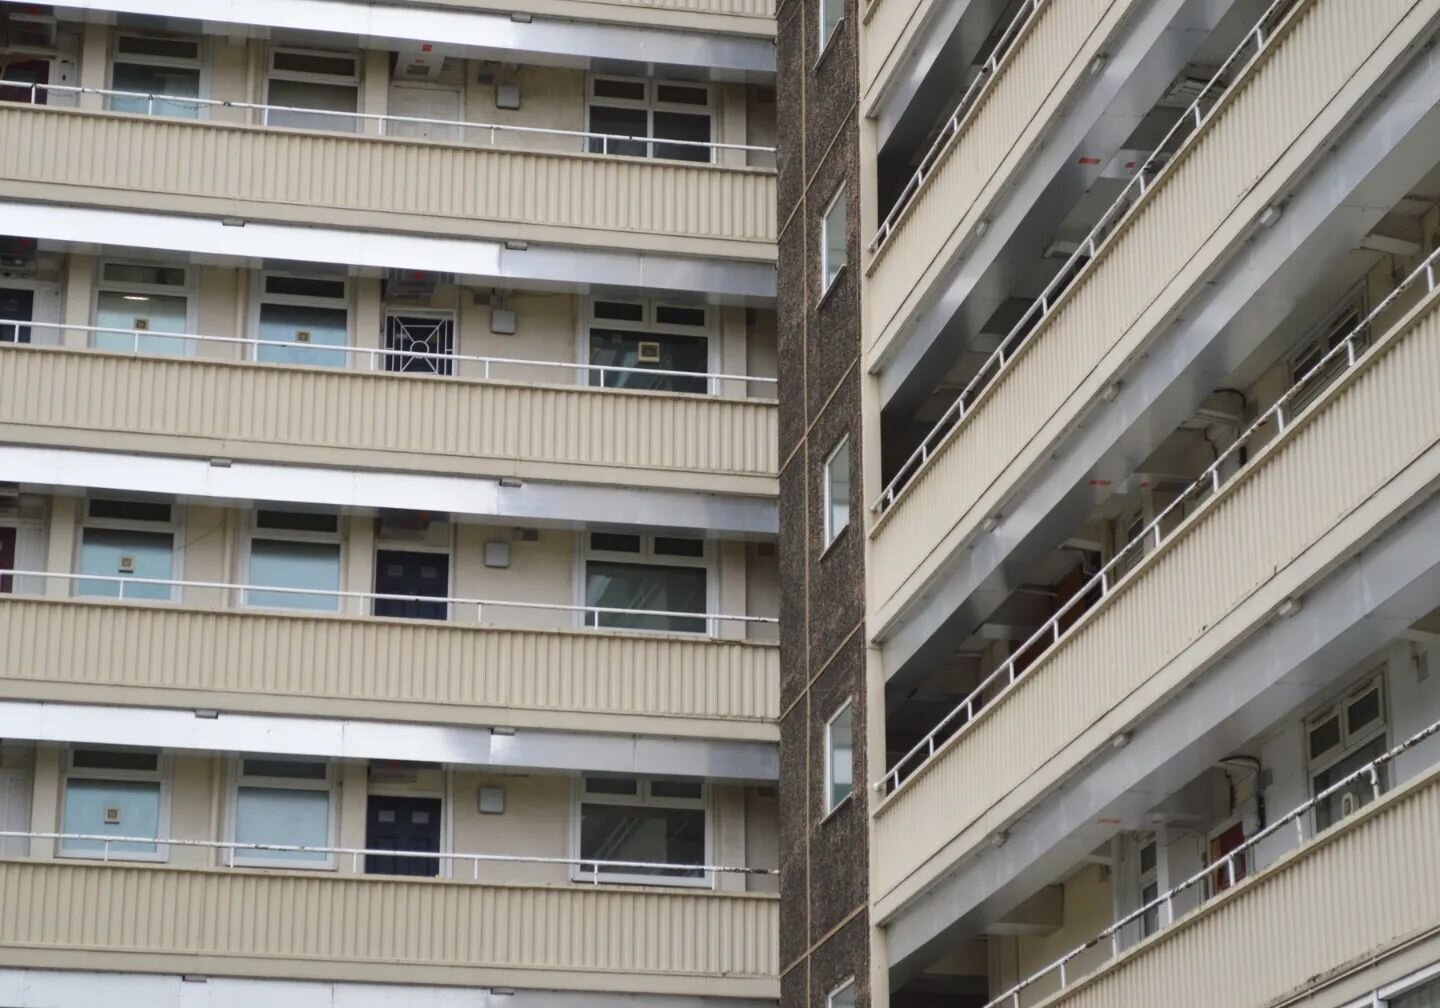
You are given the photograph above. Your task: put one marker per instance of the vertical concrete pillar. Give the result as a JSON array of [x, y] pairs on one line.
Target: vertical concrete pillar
[[60, 543], [79, 296], [350, 815], [94, 63], [375, 88], [45, 800], [359, 563]]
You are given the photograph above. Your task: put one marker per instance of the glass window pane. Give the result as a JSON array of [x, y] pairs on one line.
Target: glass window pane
[[682, 126], [1353, 796], [835, 240], [123, 553], [178, 82], [629, 90], [293, 769], [112, 808], [1325, 736], [624, 311], [627, 122], [637, 833], [116, 759], [612, 785], [617, 542], [151, 45], [141, 273], [1363, 711], [297, 521], [840, 737], [682, 94], [306, 328], [307, 95], [844, 997], [282, 816], [837, 492], [159, 313], [661, 351], [677, 546], [689, 790], [279, 563], [304, 286], [102, 507], [316, 63], [639, 586], [830, 13], [674, 315]]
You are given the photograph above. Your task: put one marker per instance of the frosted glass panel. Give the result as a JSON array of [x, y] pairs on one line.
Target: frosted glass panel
[[282, 816], [306, 327], [156, 80], [123, 553], [294, 565], [306, 95], [112, 808], [152, 312]]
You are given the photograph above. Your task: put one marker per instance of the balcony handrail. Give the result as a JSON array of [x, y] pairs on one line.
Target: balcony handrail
[[596, 866], [959, 119], [711, 619], [1076, 265], [494, 128], [1132, 556], [1224, 863], [372, 353]]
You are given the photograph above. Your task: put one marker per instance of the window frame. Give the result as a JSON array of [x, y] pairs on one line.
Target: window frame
[[641, 799], [355, 80], [647, 557], [830, 530], [202, 64], [828, 279], [1145, 878], [1318, 340], [188, 290], [1349, 743], [847, 707], [652, 104], [239, 858], [175, 527], [827, 35], [260, 297], [846, 985], [254, 531], [161, 776], [650, 311]]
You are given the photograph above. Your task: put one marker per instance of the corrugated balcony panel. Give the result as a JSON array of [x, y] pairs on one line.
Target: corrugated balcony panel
[[314, 926], [1000, 130], [632, 11], [231, 170], [394, 670], [94, 400], [1358, 890], [1192, 215], [1286, 503]]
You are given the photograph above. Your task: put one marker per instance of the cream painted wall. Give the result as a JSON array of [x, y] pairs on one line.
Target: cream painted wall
[[1088, 909]]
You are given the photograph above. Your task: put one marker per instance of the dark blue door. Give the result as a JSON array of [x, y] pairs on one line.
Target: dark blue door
[[394, 823], [401, 572]]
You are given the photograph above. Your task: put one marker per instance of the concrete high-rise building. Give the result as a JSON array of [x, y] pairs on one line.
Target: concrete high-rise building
[[388, 504], [1110, 537]]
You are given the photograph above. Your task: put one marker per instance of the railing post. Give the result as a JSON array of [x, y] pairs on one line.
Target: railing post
[[105, 856]]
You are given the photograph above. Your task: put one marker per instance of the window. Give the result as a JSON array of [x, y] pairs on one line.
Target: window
[[419, 332], [294, 550], [1323, 338], [1425, 995], [628, 571], [1149, 887], [834, 241], [113, 791], [1340, 740], [839, 756], [648, 334], [837, 490], [283, 800], [127, 538], [307, 313], [831, 14], [651, 819], [313, 79], [842, 996], [650, 109], [156, 65], [139, 300]]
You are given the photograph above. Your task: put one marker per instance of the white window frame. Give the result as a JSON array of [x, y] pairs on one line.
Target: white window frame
[[253, 531], [1349, 744], [647, 557], [829, 32], [259, 297], [828, 278], [124, 287], [1144, 878], [239, 779], [175, 526], [831, 529], [200, 63], [831, 998], [830, 803], [651, 104], [302, 77], [642, 799], [650, 311], [161, 776], [1401, 988]]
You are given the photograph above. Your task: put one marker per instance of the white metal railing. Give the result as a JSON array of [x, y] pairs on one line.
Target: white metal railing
[[597, 867], [1147, 172], [593, 616], [1226, 863], [377, 357], [465, 128], [1132, 556], [989, 71]]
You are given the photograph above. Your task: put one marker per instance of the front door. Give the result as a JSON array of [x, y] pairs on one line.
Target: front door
[[402, 572], [402, 824], [16, 305], [7, 560], [1221, 844]]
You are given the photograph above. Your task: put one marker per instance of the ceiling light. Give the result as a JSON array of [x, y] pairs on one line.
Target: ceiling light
[[1289, 607], [1270, 215], [1111, 392], [991, 523]]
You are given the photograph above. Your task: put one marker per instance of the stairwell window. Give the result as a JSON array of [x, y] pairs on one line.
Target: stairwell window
[[658, 820], [834, 242], [842, 996], [837, 490], [114, 791], [167, 69], [651, 111], [839, 756], [832, 12], [287, 801]]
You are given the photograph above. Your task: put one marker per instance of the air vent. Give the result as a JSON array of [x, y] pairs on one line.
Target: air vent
[[419, 63]]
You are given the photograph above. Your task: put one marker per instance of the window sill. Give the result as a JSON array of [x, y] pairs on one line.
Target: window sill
[[837, 807], [829, 44], [829, 288], [831, 544]]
